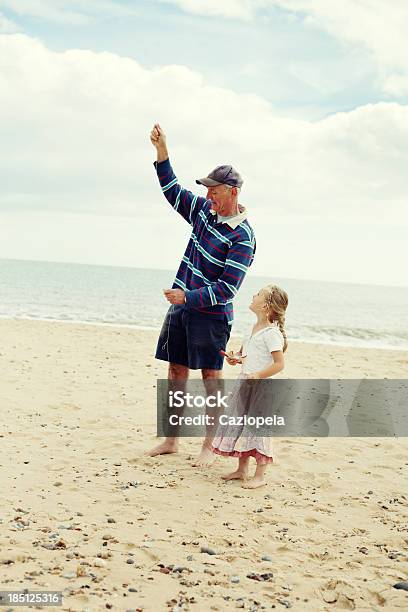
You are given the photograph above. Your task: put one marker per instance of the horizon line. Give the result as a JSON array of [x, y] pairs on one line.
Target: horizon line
[[105, 265]]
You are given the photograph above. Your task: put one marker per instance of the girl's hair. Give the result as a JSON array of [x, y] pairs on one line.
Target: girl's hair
[[277, 301]]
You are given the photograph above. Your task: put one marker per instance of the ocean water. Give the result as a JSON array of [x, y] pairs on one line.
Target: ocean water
[[334, 313]]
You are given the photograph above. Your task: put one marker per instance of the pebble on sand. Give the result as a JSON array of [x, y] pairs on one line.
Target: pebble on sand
[[207, 550], [69, 575], [80, 571], [260, 577], [285, 602], [401, 585]]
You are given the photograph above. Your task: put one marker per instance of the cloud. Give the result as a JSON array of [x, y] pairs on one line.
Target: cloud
[[7, 26], [75, 137], [377, 26], [74, 12], [75, 140]]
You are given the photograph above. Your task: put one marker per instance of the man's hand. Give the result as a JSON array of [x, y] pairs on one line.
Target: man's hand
[[158, 140], [175, 296]]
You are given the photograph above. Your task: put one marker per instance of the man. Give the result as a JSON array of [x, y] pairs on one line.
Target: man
[[220, 250]]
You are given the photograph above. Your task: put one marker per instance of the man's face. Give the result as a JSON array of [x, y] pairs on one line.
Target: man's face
[[222, 199]]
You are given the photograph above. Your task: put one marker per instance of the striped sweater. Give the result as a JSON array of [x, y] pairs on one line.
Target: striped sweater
[[217, 256]]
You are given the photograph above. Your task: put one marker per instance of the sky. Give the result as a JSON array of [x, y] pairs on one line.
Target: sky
[[306, 98]]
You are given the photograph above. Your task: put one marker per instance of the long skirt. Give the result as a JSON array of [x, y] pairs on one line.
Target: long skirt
[[250, 398]]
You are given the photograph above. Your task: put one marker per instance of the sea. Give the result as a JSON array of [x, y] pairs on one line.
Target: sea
[[325, 312]]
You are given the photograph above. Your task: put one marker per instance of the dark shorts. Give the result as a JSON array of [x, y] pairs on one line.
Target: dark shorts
[[192, 339]]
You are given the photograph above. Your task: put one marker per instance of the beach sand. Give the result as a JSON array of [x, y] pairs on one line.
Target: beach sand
[[82, 511]]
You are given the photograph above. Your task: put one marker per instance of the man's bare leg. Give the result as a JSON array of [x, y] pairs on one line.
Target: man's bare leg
[[206, 456], [171, 444]]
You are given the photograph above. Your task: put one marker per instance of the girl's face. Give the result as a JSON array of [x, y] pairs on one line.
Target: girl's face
[[259, 301]]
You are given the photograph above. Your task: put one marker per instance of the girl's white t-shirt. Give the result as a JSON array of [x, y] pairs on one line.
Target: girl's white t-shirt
[[258, 348]]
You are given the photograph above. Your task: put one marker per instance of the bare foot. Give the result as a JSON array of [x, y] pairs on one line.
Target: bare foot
[[165, 448], [237, 475], [205, 458], [253, 483]]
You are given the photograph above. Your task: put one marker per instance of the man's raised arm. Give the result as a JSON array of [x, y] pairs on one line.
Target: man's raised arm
[[158, 140], [182, 200]]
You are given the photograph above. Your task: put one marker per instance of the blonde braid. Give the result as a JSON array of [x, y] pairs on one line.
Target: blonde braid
[[281, 323], [277, 302]]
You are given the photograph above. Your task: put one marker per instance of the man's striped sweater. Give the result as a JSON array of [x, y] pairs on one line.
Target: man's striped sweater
[[217, 256]]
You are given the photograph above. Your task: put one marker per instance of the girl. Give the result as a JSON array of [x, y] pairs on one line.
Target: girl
[[262, 357]]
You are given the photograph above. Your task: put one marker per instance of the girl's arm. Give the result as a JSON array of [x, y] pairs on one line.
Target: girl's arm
[[275, 366]]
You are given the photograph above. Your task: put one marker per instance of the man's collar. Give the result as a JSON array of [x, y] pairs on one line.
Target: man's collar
[[235, 221]]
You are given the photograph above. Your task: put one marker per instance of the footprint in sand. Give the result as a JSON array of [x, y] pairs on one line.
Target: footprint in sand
[[143, 553], [64, 406], [340, 593], [58, 468], [136, 460], [311, 519]]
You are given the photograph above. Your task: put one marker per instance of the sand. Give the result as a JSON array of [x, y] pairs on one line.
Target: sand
[[82, 511]]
